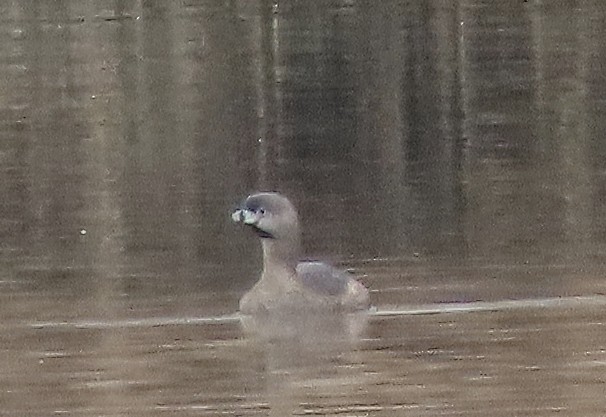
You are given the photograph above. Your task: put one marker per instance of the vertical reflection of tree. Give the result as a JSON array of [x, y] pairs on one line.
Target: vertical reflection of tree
[[54, 151], [107, 154], [266, 83], [565, 47], [505, 200], [434, 144], [383, 40], [409, 123]]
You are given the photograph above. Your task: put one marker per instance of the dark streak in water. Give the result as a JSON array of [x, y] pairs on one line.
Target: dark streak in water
[[425, 309], [482, 306], [147, 322]]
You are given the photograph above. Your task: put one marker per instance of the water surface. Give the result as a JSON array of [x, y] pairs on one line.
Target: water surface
[[450, 154]]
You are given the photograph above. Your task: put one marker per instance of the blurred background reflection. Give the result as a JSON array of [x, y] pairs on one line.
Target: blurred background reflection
[[443, 151]]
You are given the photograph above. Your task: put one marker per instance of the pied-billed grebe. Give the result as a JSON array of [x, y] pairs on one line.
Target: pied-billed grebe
[[286, 282]]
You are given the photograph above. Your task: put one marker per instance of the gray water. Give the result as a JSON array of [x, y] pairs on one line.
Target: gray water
[[450, 154]]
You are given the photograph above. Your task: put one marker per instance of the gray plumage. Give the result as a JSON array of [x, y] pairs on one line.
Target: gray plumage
[[286, 282], [323, 278]]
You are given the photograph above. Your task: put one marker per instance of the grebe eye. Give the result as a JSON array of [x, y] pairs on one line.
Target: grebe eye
[[262, 210]]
